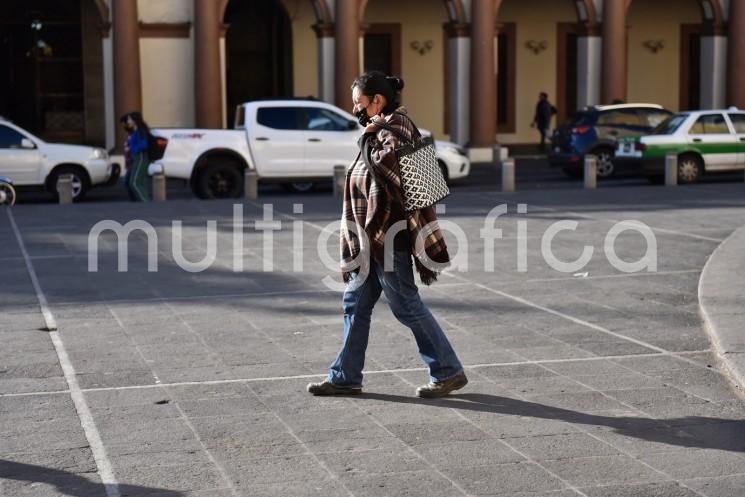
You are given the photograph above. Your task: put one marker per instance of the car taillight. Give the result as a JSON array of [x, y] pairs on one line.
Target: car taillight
[[581, 130], [641, 147]]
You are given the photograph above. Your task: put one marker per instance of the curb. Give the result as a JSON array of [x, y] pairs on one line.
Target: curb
[[721, 298]]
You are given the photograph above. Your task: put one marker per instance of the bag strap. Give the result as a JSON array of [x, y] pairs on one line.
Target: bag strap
[[397, 132]]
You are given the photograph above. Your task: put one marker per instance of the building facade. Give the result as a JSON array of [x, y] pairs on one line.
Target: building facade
[[473, 68]]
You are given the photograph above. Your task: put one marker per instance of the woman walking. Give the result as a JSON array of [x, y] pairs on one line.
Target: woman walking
[[374, 202], [138, 147]]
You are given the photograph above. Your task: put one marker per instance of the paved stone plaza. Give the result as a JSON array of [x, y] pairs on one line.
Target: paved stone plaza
[[591, 383]]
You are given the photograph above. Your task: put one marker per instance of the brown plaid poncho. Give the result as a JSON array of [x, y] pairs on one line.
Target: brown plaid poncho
[[373, 202]]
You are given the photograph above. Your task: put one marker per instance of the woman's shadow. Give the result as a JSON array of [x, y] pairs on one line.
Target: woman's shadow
[[74, 484], [670, 431]]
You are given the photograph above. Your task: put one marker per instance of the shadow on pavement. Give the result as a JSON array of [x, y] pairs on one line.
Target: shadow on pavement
[[668, 431], [73, 484]]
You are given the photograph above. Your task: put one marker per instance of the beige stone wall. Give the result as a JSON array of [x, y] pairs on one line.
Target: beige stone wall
[[168, 11], [655, 77], [168, 81], [535, 20], [424, 75], [304, 47]]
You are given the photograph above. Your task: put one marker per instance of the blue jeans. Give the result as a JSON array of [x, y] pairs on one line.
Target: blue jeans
[[407, 306]]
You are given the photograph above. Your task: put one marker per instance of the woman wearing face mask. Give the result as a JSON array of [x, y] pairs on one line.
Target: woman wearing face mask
[[374, 203]]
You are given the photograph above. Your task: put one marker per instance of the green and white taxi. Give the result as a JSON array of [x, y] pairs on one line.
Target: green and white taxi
[[704, 141]]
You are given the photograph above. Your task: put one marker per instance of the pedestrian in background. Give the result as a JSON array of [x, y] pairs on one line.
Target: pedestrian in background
[[373, 201], [124, 120], [544, 111], [138, 147]]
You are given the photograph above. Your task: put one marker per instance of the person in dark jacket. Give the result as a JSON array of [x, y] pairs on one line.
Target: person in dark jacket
[[138, 148], [124, 120], [544, 111], [374, 204]]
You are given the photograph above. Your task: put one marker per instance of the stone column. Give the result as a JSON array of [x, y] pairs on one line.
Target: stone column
[[126, 50], [736, 55], [208, 75], [589, 66], [347, 55], [483, 84], [614, 50], [459, 64], [713, 71], [326, 55]]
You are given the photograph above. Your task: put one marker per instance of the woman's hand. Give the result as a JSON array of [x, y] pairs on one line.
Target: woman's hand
[[373, 126]]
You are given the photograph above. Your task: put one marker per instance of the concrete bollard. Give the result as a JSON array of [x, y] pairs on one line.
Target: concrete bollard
[[671, 169], [340, 175], [508, 175], [591, 171], [251, 185], [159, 187], [64, 188]]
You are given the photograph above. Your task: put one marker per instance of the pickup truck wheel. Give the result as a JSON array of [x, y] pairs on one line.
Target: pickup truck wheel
[[80, 182], [219, 181], [299, 187]]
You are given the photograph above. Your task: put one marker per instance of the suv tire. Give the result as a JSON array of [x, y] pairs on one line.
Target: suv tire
[[219, 180]]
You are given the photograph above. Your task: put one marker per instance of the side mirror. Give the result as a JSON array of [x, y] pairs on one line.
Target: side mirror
[[27, 144], [352, 125]]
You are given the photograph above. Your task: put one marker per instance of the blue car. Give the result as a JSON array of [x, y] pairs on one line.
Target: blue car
[[596, 130]]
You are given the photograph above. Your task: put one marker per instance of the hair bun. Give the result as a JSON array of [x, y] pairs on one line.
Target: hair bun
[[396, 83]]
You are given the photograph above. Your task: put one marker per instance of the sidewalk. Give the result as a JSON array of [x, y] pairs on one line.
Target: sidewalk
[[602, 384]]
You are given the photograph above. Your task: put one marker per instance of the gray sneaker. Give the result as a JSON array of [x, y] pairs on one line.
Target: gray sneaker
[[326, 388], [433, 390]]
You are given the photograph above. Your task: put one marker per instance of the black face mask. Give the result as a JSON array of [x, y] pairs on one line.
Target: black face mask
[[363, 118]]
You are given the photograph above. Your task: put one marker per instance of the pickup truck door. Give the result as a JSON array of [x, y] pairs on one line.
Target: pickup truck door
[[738, 122], [22, 165], [277, 141], [711, 135], [332, 141]]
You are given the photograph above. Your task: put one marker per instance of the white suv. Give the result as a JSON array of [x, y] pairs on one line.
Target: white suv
[[30, 161]]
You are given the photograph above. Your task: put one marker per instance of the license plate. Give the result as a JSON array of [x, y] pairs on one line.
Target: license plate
[[557, 149]]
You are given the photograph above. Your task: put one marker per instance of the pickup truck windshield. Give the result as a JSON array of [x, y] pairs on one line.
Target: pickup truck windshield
[[669, 125]]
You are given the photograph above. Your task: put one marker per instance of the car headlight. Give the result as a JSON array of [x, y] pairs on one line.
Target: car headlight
[[456, 150], [99, 153]]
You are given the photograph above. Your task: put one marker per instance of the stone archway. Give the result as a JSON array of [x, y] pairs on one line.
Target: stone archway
[[670, 52]]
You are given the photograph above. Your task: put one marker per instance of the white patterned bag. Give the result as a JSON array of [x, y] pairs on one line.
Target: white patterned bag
[[422, 181]]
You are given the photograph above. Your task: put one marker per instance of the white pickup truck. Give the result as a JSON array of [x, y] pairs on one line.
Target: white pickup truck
[[294, 142], [29, 161]]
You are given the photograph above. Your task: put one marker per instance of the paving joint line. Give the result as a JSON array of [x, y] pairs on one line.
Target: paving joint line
[[98, 450], [610, 220], [581, 428], [374, 372], [568, 486], [633, 408]]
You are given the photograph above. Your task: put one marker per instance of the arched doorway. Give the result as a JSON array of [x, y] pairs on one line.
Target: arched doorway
[[664, 53], [53, 81], [258, 52]]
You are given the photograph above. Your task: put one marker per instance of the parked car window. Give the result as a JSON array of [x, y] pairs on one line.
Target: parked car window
[[287, 118], [670, 125], [625, 117], [10, 138], [325, 120], [240, 116], [709, 124], [654, 116], [738, 120]]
